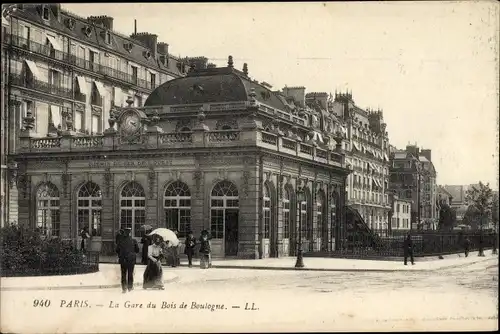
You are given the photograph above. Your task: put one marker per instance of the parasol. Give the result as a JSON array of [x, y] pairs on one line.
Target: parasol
[[167, 235]]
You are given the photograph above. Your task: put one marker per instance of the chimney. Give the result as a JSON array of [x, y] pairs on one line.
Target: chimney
[[162, 48], [148, 40], [322, 98], [103, 21], [427, 154], [298, 94]]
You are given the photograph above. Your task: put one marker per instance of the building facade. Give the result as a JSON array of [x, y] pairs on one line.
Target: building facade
[[213, 150], [413, 177], [65, 73], [368, 151], [400, 215]]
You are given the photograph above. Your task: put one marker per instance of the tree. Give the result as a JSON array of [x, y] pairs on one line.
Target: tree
[[480, 201], [447, 217], [494, 212]]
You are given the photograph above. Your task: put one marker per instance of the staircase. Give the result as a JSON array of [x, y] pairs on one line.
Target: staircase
[[358, 232]]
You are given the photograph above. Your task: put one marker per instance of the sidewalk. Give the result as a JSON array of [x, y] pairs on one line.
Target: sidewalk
[[107, 277], [336, 264]]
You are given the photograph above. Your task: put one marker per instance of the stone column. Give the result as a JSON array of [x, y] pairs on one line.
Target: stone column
[[198, 203], [152, 199], [250, 212], [279, 216], [13, 126], [109, 219], [66, 228], [12, 195]]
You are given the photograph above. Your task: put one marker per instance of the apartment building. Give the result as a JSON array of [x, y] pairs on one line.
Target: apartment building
[[401, 215], [368, 151], [66, 73]]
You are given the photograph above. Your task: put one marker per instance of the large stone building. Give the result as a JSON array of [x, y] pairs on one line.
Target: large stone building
[[400, 215], [65, 73], [413, 176], [368, 151], [213, 150]]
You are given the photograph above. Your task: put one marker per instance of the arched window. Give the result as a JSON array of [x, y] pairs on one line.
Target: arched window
[[267, 211], [286, 214], [303, 205], [177, 206], [133, 207], [224, 197], [48, 217], [89, 209]]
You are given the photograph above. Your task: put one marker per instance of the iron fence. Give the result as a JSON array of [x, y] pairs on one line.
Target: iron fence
[[424, 244]]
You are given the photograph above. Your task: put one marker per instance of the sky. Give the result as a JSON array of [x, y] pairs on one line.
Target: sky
[[432, 67]]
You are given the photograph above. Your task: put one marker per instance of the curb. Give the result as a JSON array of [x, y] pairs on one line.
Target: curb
[[80, 287], [221, 266]]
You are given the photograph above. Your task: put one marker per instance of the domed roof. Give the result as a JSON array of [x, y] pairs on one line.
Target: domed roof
[[212, 85]]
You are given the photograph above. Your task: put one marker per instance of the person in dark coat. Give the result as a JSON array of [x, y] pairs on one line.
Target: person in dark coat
[[408, 249], [189, 247], [205, 250], [118, 236], [127, 249], [84, 234], [146, 242], [466, 246]]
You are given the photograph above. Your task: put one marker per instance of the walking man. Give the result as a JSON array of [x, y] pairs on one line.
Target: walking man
[[189, 247], [408, 249], [127, 249], [466, 246]]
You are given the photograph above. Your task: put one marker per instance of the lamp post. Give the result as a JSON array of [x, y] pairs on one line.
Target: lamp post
[[300, 259]]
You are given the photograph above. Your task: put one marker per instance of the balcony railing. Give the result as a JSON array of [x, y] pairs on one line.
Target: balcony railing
[[49, 51], [46, 143], [178, 137], [321, 154], [306, 149], [269, 138], [88, 142], [289, 144], [23, 81], [223, 136]]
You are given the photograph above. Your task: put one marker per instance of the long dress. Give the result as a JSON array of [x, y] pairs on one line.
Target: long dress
[[153, 275]]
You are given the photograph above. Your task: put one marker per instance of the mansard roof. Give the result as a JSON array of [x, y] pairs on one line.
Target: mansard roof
[[211, 85], [32, 13]]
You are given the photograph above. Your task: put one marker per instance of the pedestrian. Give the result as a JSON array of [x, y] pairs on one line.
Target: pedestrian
[[189, 247], [205, 250], [153, 275], [466, 246], [127, 249], [146, 242], [84, 234], [118, 236], [408, 249]]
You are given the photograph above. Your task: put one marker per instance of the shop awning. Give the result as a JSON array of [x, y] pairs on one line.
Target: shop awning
[[385, 157], [33, 68], [372, 166], [55, 43], [356, 145], [82, 84], [100, 88], [55, 112]]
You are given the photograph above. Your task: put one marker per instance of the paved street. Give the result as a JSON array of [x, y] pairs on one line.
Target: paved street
[[457, 298]]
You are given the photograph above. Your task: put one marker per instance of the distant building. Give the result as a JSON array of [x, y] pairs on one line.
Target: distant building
[[65, 73], [400, 215], [413, 177], [458, 201], [444, 197]]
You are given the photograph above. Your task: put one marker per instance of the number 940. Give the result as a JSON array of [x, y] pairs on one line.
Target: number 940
[[41, 303]]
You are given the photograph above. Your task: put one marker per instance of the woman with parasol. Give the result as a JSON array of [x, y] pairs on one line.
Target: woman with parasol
[[153, 275]]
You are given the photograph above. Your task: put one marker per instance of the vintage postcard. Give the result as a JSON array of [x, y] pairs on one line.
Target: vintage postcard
[[249, 167]]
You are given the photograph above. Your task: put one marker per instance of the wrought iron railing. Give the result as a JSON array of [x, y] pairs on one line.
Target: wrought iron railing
[[306, 149], [321, 154], [269, 138], [289, 144], [49, 51], [23, 81]]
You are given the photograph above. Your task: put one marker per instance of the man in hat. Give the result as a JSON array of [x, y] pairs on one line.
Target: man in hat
[[127, 249]]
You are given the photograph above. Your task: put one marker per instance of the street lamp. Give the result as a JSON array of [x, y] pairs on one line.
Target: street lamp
[[300, 259]]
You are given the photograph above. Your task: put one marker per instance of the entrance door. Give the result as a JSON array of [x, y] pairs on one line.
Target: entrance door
[[231, 232]]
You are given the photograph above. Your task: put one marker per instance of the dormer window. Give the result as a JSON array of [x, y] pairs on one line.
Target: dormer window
[[87, 31], [164, 60], [147, 54], [45, 12], [107, 37]]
